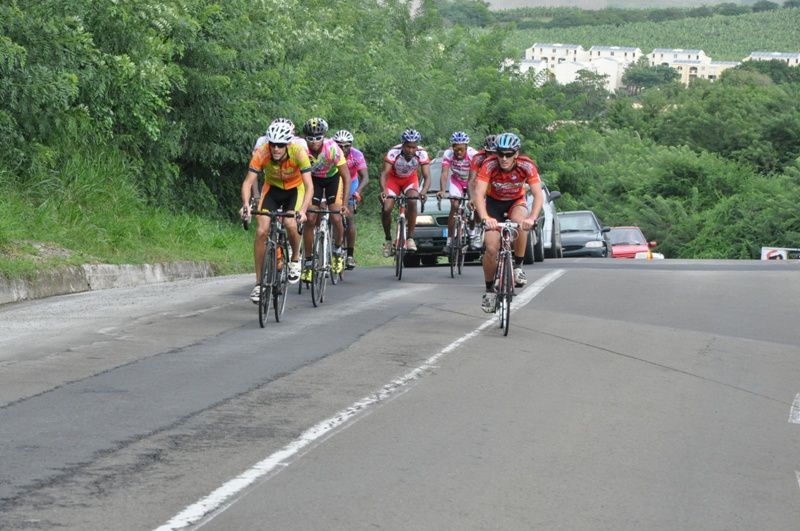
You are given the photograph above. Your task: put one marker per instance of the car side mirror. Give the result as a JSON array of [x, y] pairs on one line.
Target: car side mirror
[[605, 229], [555, 195], [652, 244]]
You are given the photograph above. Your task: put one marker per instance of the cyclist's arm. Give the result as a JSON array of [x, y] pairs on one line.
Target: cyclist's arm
[[387, 167], [363, 179], [308, 193], [344, 172], [249, 181], [480, 203], [538, 201], [443, 181], [426, 175]]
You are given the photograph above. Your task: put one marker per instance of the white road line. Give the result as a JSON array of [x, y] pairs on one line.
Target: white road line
[[797, 474], [223, 496], [794, 413]]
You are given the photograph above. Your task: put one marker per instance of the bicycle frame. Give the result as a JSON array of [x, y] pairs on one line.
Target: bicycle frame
[[274, 268], [503, 276]]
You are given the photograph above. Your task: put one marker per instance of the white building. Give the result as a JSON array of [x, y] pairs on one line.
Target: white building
[[670, 56], [555, 53], [790, 58], [620, 53]]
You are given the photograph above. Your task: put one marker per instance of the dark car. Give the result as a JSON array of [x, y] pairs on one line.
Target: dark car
[[582, 234]]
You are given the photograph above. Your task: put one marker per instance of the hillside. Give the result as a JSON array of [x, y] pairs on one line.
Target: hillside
[[722, 38]]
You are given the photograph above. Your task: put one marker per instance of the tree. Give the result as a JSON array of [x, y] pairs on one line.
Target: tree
[[764, 5], [641, 76]]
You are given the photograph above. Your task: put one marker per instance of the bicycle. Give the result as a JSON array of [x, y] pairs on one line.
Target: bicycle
[[402, 233], [460, 238], [345, 239], [274, 269], [322, 256], [504, 275]]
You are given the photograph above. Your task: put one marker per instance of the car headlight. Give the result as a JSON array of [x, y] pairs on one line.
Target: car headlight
[[425, 220], [595, 243]]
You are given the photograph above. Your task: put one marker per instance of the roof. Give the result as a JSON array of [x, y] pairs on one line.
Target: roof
[[776, 55], [725, 63], [677, 50], [555, 45], [614, 49], [687, 62]]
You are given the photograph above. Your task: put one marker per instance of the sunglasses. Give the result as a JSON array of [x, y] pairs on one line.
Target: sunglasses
[[315, 138], [505, 154], [343, 146], [277, 145]]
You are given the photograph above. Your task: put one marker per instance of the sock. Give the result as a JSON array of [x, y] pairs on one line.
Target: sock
[[489, 286], [349, 251], [518, 261]]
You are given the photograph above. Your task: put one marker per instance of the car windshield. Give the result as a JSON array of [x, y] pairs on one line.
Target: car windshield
[[577, 222], [436, 174], [626, 237]]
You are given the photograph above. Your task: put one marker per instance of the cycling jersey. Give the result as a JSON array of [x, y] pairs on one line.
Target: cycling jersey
[[508, 185], [403, 169], [326, 163], [355, 162], [478, 160], [459, 168], [285, 174]]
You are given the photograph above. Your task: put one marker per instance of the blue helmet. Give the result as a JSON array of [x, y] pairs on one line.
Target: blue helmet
[[508, 141], [459, 137], [410, 135]]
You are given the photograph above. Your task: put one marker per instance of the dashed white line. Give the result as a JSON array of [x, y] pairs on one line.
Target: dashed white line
[[794, 413], [223, 496]]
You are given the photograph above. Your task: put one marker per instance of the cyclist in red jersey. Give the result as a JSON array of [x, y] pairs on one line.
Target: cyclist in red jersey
[[500, 194], [400, 175]]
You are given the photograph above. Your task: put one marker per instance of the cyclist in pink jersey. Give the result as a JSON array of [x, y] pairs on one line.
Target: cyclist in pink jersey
[[399, 175], [359, 177], [455, 165], [331, 178]]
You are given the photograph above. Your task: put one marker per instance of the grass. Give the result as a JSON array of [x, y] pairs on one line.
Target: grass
[[89, 211]]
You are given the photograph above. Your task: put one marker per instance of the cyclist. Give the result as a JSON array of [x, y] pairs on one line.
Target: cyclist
[[455, 164], [400, 175], [256, 190], [476, 234], [331, 178], [359, 177], [499, 194], [287, 184]]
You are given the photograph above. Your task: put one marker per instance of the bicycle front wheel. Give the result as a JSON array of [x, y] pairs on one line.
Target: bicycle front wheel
[[507, 293], [331, 257], [318, 274], [400, 248], [461, 238], [267, 273]]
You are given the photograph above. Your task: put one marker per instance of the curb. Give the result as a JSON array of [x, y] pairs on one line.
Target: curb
[[77, 279]]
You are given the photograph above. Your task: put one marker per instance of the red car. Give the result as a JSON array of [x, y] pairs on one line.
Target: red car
[[627, 241]]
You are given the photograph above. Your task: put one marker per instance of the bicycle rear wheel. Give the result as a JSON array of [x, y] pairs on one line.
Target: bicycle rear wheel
[[282, 282], [334, 274], [400, 248], [318, 274], [265, 297]]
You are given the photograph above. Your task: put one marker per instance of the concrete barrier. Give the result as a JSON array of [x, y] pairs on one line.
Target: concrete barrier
[[75, 279]]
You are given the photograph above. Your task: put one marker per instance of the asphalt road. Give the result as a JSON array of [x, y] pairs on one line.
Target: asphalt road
[[646, 395]]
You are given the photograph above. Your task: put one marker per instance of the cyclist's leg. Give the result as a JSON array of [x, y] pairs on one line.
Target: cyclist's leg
[[293, 203], [335, 193], [267, 202], [392, 191], [517, 213], [412, 192]]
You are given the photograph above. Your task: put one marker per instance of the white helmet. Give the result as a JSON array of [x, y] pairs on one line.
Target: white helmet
[[279, 133], [343, 137], [283, 121]]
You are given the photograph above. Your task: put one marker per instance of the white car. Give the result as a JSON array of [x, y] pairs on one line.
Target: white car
[[544, 240]]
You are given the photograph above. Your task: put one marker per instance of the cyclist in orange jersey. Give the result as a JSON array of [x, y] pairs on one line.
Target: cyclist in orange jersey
[[287, 184]]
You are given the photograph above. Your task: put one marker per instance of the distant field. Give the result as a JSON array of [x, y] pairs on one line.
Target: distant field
[[722, 38]]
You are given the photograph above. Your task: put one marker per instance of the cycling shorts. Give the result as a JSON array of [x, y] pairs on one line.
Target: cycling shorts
[[395, 186], [501, 210], [457, 188], [274, 198], [330, 188]]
